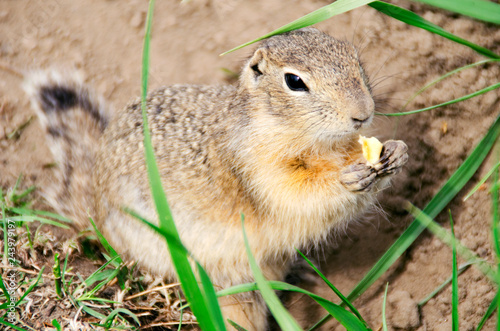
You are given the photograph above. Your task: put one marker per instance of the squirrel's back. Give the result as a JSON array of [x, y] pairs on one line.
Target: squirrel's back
[[188, 125]]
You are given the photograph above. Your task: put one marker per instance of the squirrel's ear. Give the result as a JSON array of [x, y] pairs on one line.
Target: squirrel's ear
[[254, 69], [257, 63]]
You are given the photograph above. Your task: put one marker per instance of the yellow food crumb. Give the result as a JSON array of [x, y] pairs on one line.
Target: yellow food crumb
[[444, 127], [372, 148]]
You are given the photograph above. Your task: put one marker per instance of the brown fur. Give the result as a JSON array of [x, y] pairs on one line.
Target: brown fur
[[261, 149]]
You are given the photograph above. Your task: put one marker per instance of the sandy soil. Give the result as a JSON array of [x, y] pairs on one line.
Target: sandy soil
[[103, 39]]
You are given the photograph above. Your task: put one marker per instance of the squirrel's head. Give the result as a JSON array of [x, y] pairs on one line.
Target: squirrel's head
[[310, 82]]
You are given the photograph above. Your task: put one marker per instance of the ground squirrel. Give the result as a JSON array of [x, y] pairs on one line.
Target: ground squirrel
[[280, 147]]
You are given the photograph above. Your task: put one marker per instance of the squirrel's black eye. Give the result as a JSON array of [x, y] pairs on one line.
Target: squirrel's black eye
[[295, 83]]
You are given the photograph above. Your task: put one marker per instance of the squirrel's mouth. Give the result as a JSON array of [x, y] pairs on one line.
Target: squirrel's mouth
[[359, 124], [334, 138]]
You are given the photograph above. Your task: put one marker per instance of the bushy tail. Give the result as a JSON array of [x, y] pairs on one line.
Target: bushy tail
[[74, 118]]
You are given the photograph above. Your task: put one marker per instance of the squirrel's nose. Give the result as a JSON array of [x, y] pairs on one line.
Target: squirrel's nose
[[362, 110]]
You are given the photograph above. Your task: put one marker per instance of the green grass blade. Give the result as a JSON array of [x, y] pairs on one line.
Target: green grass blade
[[26, 211], [99, 274], [450, 189], [450, 240], [17, 198], [384, 319], [166, 222], [16, 186], [241, 288], [5, 292], [26, 218], [482, 181], [454, 282], [97, 299], [211, 298], [180, 260], [28, 235], [236, 326], [110, 274], [491, 308], [56, 324], [495, 186], [178, 245], [208, 295], [160, 200], [483, 10], [342, 6], [64, 270], [334, 289], [31, 287], [92, 312], [465, 97], [5, 233], [104, 242], [282, 316], [345, 317], [411, 18], [56, 271], [495, 216], [495, 225], [438, 289], [2, 321], [180, 320], [117, 311], [427, 222], [448, 74], [319, 15]]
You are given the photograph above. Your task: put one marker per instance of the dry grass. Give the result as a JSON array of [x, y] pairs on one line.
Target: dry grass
[[147, 299]]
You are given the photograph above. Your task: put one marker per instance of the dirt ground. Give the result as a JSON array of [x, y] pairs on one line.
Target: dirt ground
[[103, 39]]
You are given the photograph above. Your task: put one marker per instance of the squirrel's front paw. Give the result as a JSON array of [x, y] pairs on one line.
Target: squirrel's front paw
[[358, 177], [361, 177], [393, 158]]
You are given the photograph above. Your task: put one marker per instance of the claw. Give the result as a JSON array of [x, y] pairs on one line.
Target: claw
[[358, 177], [393, 158]]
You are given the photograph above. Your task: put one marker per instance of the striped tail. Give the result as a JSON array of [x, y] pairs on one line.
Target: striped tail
[[73, 118]]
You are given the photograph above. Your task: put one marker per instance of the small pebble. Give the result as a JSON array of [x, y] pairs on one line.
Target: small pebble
[[137, 19], [404, 310], [3, 15]]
